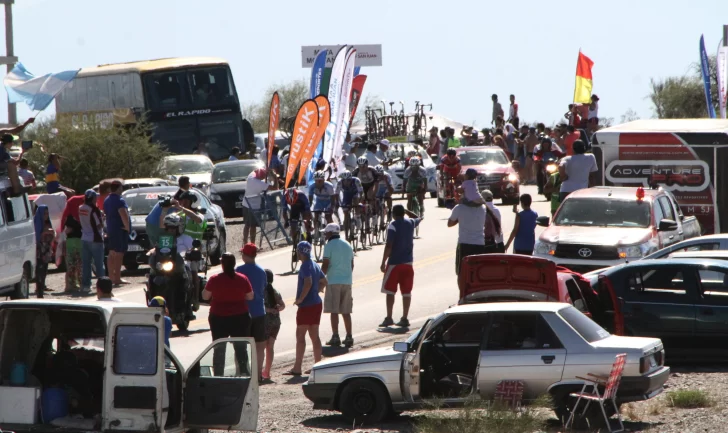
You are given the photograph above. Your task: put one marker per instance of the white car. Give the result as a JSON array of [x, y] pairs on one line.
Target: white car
[[197, 167], [396, 170]]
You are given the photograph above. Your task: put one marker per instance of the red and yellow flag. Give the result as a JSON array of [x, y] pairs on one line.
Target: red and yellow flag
[[583, 87]]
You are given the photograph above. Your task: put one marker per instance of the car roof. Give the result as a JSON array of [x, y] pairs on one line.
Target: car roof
[[144, 180], [185, 157], [549, 307], [240, 162], [619, 192], [106, 307], [669, 261], [157, 189], [699, 254], [467, 148]]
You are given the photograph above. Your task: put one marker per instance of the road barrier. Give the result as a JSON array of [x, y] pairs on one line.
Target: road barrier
[[268, 218]]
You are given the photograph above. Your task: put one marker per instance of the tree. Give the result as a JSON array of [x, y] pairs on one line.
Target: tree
[[291, 96], [629, 116], [684, 96], [91, 153]]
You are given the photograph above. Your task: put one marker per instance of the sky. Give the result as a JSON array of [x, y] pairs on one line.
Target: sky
[[452, 54]]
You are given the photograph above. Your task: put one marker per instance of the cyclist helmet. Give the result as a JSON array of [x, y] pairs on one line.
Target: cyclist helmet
[[415, 162], [379, 169], [411, 153], [362, 161], [172, 220], [451, 152], [319, 175], [291, 195], [346, 174]]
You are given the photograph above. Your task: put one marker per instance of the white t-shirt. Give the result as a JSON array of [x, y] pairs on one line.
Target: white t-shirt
[[184, 244], [577, 168], [372, 159], [595, 112], [471, 224], [253, 190]]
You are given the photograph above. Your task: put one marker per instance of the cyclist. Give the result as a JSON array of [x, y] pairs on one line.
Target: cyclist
[[299, 207], [366, 176], [450, 168], [416, 177], [384, 188], [322, 190], [350, 191], [411, 154]]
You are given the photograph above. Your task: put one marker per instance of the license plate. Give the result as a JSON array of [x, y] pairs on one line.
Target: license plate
[[238, 204], [135, 247]]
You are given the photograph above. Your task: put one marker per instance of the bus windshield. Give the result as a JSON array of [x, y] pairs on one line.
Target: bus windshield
[[188, 89]]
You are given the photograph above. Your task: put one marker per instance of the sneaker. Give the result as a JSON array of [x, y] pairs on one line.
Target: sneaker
[[387, 322], [335, 341], [348, 341], [403, 323]]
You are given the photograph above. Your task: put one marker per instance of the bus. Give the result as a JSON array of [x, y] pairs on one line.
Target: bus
[[188, 101]]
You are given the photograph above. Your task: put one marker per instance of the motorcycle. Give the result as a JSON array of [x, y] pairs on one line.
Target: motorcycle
[[548, 166], [172, 283]]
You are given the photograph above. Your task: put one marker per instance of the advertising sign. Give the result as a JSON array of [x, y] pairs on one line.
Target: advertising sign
[[366, 55]]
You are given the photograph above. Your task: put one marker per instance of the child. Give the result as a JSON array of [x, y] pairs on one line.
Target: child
[[524, 230], [273, 306], [471, 196], [44, 235], [159, 302]]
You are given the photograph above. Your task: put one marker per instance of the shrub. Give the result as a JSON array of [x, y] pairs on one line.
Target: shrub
[[479, 417], [689, 399], [91, 153]]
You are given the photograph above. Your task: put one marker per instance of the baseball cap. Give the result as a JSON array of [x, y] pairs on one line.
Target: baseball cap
[[384, 142], [487, 195], [9, 138], [304, 248], [157, 301], [332, 228], [261, 173], [90, 194], [250, 249]]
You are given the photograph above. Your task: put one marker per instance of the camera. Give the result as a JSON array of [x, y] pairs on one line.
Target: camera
[[165, 201]]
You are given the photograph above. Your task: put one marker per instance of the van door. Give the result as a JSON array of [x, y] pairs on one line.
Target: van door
[[221, 387], [134, 369]]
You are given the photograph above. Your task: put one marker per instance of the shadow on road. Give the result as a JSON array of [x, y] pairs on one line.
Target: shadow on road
[[178, 333], [330, 351], [401, 423], [393, 331], [296, 380]]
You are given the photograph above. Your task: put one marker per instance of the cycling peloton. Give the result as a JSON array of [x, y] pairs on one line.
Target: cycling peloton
[[299, 207], [350, 191], [366, 176], [384, 188], [415, 178], [320, 193], [450, 168]]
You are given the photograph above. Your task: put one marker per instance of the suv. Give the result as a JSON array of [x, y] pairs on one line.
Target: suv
[[17, 243]]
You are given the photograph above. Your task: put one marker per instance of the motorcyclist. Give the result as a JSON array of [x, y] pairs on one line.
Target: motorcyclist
[[300, 208], [384, 188], [545, 151], [178, 243], [320, 194], [416, 178]]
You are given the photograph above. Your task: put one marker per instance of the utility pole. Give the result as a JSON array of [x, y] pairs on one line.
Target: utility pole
[[10, 60], [725, 35]]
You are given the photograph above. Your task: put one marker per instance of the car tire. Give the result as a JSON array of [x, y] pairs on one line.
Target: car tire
[[22, 287], [364, 401], [221, 248], [433, 194], [563, 403]]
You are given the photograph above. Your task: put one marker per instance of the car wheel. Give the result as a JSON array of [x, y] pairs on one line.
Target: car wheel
[[563, 403], [22, 287], [433, 194], [221, 247], [363, 401]]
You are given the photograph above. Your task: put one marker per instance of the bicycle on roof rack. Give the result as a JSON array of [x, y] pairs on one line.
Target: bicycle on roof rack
[[419, 125]]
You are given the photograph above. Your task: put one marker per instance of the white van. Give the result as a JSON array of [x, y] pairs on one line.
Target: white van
[[108, 362], [17, 243]]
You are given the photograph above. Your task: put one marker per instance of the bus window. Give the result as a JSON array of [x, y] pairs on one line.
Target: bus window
[[167, 91], [212, 86]]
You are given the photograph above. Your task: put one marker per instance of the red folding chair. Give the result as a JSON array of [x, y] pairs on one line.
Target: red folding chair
[[610, 384], [509, 393]]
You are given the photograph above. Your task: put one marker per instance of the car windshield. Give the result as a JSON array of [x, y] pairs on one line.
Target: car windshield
[[583, 325], [141, 203], [603, 212], [187, 166], [233, 172], [482, 157]]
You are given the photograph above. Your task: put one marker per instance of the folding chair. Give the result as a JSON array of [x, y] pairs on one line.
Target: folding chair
[[509, 393], [610, 384]]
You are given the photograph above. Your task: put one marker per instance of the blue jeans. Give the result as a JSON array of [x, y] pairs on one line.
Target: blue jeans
[[91, 251]]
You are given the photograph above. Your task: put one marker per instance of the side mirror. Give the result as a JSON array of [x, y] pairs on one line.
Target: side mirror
[[401, 346], [543, 221], [666, 225]]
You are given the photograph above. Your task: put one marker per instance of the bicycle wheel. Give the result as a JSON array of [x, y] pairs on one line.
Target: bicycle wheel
[[318, 239], [423, 124], [353, 234], [373, 229], [294, 255], [418, 211]]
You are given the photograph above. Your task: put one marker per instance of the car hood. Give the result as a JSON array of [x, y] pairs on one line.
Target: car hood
[[610, 236], [381, 354], [228, 187], [647, 345], [195, 178], [138, 222], [490, 168]]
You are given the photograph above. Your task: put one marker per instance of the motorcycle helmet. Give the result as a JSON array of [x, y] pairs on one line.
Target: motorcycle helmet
[[415, 162], [172, 221], [362, 161]]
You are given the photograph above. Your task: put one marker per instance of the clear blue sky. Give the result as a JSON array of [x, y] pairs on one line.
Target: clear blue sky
[[454, 54]]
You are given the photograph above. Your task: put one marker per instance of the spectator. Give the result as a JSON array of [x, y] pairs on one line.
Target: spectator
[[487, 137], [493, 226], [234, 154], [117, 230], [433, 145], [540, 129], [104, 188], [159, 302], [451, 140], [497, 109], [382, 155], [510, 137], [371, 156], [577, 171], [228, 293], [442, 143], [524, 230], [104, 290], [593, 116], [397, 263], [10, 163], [513, 118], [256, 186], [27, 175], [471, 197], [184, 186], [71, 227], [531, 141], [201, 149], [574, 118], [44, 235], [256, 306], [92, 239], [273, 306], [311, 281], [471, 231], [275, 162], [53, 175], [338, 265], [499, 141], [571, 136]]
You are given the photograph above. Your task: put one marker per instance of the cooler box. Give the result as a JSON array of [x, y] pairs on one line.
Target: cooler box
[[19, 404]]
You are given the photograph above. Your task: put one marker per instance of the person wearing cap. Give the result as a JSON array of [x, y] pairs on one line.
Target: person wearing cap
[[256, 306], [381, 154], [159, 302], [493, 227], [470, 220], [118, 227], [92, 239], [104, 290], [311, 281], [338, 265], [256, 185]]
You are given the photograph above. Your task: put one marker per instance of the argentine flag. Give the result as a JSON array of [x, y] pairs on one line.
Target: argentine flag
[[36, 92]]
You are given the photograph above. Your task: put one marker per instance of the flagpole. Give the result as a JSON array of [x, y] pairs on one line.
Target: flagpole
[[576, 76]]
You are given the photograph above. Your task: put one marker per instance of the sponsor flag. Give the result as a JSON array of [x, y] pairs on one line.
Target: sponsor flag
[[357, 87], [273, 119], [36, 92], [342, 123], [317, 73], [357, 69], [303, 128], [334, 94], [583, 86], [325, 82], [322, 102], [706, 78], [722, 68]]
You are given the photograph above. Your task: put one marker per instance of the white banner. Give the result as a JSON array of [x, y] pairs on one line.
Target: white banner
[[366, 55], [337, 76], [722, 68], [342, 122]]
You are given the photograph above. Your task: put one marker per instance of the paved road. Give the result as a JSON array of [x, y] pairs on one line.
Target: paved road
[[435, 287]]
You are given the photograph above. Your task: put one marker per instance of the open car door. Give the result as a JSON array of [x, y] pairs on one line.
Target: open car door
[[411, 367], [221, 387], [133, 378]]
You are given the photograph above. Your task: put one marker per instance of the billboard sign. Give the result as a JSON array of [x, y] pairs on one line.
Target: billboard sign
[[366, 55]]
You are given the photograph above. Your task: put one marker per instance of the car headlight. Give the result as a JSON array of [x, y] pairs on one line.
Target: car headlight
[[545, 248], [551, 168], [165, 266], [214, 196], [634, 251], [512, 177]]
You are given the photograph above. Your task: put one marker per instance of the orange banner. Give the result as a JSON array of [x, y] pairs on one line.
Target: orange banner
[[304, 127], [324, 110], [273, 119]]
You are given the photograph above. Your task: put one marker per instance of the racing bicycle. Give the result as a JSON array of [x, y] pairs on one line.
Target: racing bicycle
[[380, 220], [351, 227], [295, 237], [414, 206], [317, 237]]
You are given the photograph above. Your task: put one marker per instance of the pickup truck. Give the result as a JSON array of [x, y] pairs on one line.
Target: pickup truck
[[606, 226]]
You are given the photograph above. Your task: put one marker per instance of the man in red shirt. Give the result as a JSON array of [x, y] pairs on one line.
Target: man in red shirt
[[571, 136]]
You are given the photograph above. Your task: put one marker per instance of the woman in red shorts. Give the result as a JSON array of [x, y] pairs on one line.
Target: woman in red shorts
[[311, 281]]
